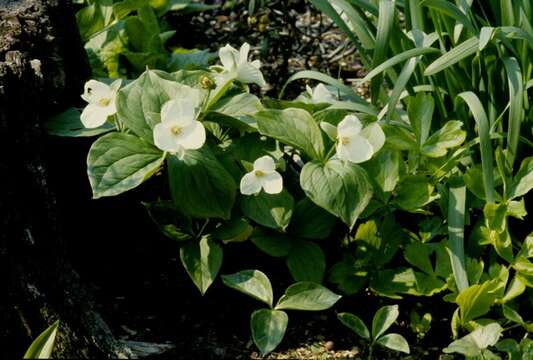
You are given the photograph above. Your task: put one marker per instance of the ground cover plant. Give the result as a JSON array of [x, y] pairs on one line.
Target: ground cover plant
[[421, 188]]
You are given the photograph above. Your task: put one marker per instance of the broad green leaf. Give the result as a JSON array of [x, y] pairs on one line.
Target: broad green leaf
[[523, 181], [240, 107], [307, 296], [189, 59], [200, 186], [414, 191], [139, 103], [399, 138], [477, 341], [383, 319], [339, 187], [449, 136], [456, 54], [270, 210], [475, 301], [394, 342], [355, 324], [384, 169], [68, 124], [253, 283], [268, 328], [236, 230], [202, 260], [306, 262], [512, 315], [295, 127], [310, 221], [118, 162], [272, 243], [43, 345]]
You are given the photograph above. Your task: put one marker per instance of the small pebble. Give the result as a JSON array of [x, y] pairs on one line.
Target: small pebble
[[329, 345]]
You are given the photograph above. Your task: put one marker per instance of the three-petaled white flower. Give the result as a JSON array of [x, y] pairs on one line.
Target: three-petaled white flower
[[236, 64], [179, 130], [263, 176], [355, 143], [320, 94], [101, 99]]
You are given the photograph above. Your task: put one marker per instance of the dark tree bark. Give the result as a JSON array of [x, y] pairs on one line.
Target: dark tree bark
[[42, 68]]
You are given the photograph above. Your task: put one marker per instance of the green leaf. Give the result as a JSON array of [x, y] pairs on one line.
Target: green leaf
[[355, 324], [414, 191], [68, 124], [341, 188], [118, 162], [190, 60], [268, 328], [456, 236], [139, 103], [394, 342], [523, 181], [475, 301], [200, 186], [167, 219], [42, 347], [270, 210], [384, 169], [253, 283], [274, 244], [307, 296], [236, 230], [310, 221], [456, 54], [477, 341], [383, 319], [306, 262], [399, 138], [516, 112], [420, 111], [449, 136], [202, 260], [295, 127], [482, 123]]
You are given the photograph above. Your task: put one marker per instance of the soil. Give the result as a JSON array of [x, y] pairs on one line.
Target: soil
[[144, 292]]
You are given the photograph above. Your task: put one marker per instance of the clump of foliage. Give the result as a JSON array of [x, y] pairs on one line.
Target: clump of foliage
[[419, 183]]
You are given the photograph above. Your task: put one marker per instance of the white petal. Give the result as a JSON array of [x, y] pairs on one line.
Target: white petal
[[243, 53], [357, 150], [181, 111], [94, 116], [265, 164], [193, 136], [247, 73], [95, 91], [349, 126], [375, 136], [250, 184], [165, 139], [272, 183], [321, 94], [228, 57], [256, 64]]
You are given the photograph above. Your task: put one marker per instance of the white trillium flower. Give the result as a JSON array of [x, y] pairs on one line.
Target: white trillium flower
[[101, 99], [179, 130], [236, 63], [263, 176], [320, 94], [355, 143]]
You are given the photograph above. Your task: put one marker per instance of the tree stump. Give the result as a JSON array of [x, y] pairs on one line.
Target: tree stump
[[42, 69]]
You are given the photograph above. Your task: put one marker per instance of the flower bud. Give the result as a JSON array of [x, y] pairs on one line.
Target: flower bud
[[207, 83]]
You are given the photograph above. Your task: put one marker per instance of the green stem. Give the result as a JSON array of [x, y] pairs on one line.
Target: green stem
[[330, 153], [202, 228], [370, 351]]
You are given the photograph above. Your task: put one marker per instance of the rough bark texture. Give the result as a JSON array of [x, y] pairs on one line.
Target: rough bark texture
[[42, 68]]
